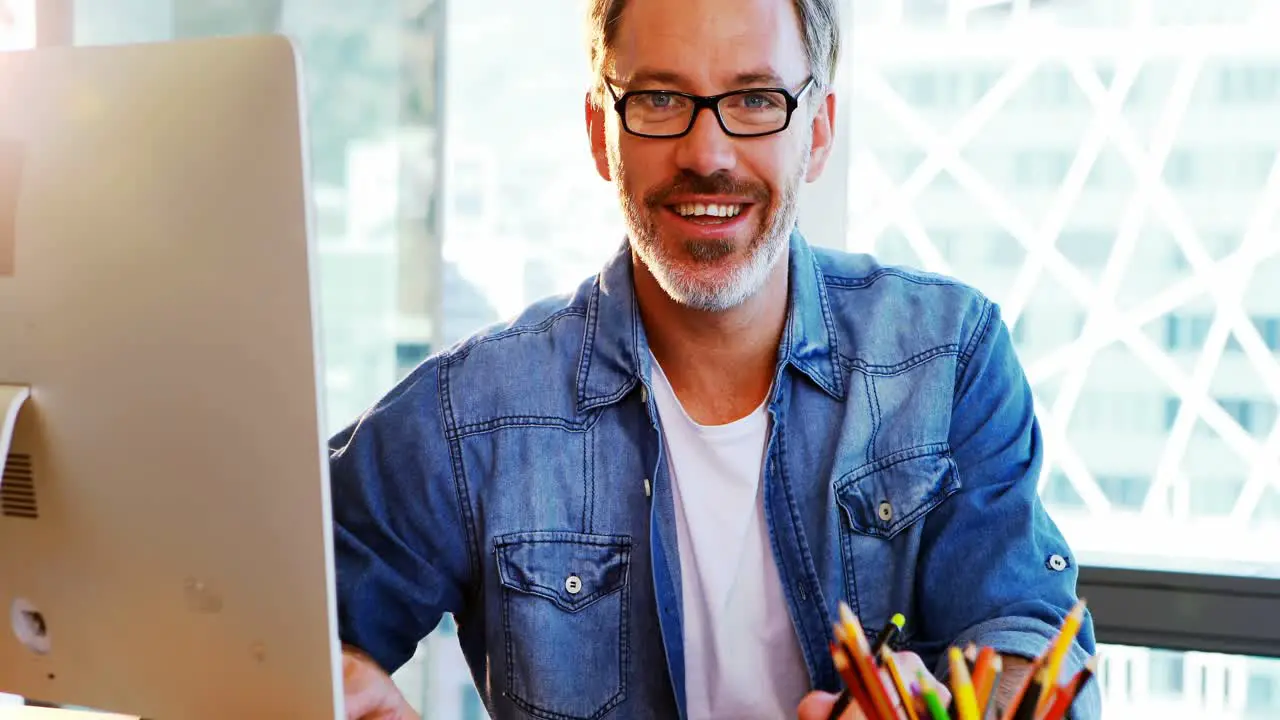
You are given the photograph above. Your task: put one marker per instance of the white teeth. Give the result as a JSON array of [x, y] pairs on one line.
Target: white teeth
[[712, 210]]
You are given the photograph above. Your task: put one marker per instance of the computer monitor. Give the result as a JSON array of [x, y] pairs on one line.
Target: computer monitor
[[165, 538]]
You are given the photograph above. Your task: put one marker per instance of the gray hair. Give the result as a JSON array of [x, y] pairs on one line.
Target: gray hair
[[819, 21]]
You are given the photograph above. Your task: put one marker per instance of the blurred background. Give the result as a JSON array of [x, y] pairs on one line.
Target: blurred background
[[1106, 170]]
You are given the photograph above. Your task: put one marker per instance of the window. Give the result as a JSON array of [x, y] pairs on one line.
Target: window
[[1166, 671], [1213, 495], [1180, 169], [1189, 331], [1019, 330], [1263, 693], [1086, 248], [1041, 168], [1118, 411], [1241, 411], [1269, 328], [1248, 85], [1125, 492], [1050, 87], [1057, 491]]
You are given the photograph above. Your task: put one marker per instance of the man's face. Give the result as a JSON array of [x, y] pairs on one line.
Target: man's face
[[709, 214]]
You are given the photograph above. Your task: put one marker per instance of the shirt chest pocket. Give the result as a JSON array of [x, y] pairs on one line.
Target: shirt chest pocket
[[564, 612], [883, 506]]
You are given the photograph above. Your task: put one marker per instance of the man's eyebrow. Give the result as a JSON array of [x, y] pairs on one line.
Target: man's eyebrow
[[654, 77], [758, 78], [651, 76]]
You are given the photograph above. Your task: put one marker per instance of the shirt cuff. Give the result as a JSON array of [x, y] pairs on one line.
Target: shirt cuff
[[1029, 638]]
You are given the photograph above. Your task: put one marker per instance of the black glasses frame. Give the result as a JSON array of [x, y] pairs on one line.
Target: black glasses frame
[[708, 102]]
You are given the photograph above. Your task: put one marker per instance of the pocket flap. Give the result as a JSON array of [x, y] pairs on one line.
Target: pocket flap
[[570, 569], [884, 497]]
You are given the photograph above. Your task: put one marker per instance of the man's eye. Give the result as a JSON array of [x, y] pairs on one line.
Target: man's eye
[[661, 101], [759, 101]]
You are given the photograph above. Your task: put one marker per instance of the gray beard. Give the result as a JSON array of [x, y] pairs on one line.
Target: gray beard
[[765, 249]]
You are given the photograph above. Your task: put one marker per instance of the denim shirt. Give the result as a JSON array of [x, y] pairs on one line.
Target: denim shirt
[[518, 481]]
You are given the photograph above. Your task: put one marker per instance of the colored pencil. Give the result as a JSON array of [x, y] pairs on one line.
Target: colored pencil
[[1058, 649], [937, 711], [962, 693], [866, 664], [854, 691], [872, 677], [1066, 695], [987, 691], [888, 634], [983, 676], [1027, 707], [899, 686]]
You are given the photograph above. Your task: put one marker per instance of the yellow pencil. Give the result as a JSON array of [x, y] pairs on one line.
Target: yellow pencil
[[1058, 650], [854, 630], [908, 702], [962, 687]]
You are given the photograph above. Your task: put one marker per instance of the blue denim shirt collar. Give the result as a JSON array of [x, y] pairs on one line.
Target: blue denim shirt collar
[[615, 350]]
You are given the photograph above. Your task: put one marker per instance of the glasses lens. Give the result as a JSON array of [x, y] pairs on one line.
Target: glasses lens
[[754, 112], [658, 113]]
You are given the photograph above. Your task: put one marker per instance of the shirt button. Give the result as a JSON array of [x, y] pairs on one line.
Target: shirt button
[[644, 394], [885, 511], [1057, 563], [573, 585]]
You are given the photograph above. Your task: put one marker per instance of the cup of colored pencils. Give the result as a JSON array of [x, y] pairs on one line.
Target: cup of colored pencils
[[873, 680]]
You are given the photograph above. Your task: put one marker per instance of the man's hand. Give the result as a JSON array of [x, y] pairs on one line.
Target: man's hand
[[370, 692], [818, 705]]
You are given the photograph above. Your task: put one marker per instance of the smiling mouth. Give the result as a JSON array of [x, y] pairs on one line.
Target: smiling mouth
[[708, 213]]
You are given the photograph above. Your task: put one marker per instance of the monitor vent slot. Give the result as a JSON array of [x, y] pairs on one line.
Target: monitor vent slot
[[18, 488]]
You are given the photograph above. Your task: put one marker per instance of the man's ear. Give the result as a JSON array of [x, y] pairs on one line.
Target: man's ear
[[824, 136], [596, 134]]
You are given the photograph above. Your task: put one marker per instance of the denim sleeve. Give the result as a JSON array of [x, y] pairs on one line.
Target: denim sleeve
[[985, 573], [400, 548]]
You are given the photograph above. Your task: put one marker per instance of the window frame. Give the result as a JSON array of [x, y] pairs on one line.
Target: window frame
[[1183, 611]]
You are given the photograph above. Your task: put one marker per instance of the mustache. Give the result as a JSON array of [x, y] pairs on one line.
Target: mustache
[[721, 183]]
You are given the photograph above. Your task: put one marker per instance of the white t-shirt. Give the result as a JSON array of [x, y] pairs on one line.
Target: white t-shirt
[[742, 658]]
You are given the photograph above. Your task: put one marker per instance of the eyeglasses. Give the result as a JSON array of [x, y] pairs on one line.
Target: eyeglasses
[[752, 112]]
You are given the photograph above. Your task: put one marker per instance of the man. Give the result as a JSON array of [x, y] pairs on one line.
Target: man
[[646, 500]]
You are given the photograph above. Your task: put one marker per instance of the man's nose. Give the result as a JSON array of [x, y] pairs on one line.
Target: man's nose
[[706, 150]]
